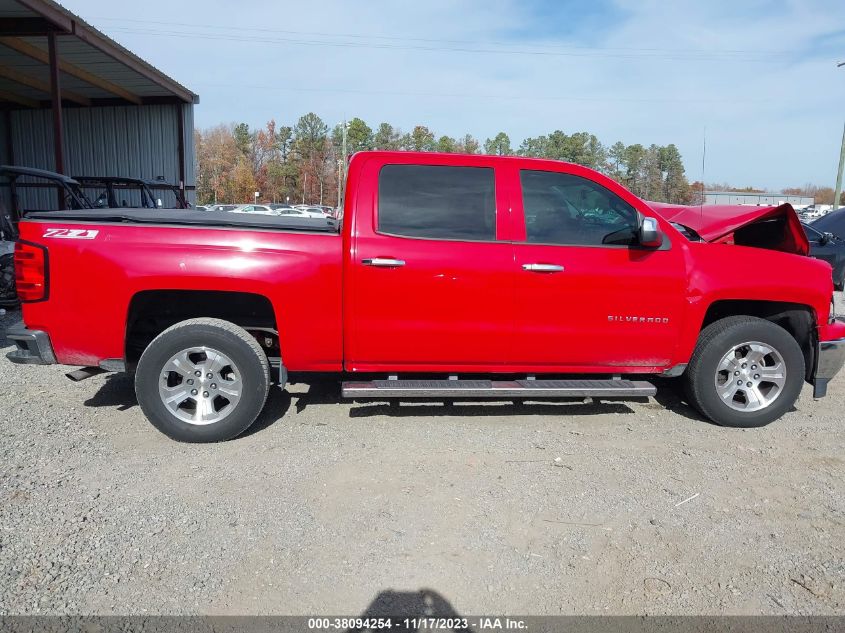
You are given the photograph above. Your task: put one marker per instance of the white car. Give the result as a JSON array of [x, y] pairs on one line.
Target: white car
[[314, 212], [287, 211], [257, 209]]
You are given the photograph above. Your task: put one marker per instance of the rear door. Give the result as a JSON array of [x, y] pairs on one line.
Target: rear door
[[430, 271]]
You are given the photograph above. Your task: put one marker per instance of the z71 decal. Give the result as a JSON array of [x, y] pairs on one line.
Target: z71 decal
[[72, 234]]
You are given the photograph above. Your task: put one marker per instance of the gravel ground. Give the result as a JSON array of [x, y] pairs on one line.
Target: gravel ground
[[331, 507]]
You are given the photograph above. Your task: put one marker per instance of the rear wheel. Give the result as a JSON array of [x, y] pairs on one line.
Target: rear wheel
[[745, 372], [202, 380]]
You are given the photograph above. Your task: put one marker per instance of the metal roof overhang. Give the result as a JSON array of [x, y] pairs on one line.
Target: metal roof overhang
[[91, 68]]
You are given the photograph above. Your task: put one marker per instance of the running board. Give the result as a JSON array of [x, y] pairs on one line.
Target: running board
[[497, 389]]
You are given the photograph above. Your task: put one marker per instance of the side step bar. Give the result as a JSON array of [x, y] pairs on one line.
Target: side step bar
[[497, 388]]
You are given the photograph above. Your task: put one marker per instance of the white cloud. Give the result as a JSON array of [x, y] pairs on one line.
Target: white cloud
[[773, 119]]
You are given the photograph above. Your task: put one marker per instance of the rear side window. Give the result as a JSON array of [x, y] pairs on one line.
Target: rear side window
[[437, 202]]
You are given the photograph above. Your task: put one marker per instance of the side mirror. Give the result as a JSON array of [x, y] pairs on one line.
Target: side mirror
[[650, 234]]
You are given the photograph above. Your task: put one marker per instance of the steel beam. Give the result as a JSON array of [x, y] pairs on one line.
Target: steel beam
[[56, 98], [38, 84], [34, 52]]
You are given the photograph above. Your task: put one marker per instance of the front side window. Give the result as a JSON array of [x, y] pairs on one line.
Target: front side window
[[571, 210], [437, 202]]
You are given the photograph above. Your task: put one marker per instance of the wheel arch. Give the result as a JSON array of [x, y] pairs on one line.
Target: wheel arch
[[151, 312], [796, 318]]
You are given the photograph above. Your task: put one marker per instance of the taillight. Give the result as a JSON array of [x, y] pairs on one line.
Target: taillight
[[31, 271]]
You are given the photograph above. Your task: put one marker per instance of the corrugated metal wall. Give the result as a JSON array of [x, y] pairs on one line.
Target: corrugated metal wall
[[130, 141]]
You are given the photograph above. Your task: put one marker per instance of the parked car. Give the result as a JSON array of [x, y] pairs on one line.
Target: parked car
[[222, 207], [287, 210], [201, 207], [531, 278], [833, 222], [830, 248], [314, 212]]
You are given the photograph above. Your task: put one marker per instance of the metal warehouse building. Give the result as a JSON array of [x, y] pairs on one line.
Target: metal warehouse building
[[758, 199], [78, 103]]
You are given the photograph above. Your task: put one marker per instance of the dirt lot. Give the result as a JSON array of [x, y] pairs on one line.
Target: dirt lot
[[332, 507]]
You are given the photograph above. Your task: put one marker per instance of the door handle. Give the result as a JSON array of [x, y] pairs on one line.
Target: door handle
[[543, 268], [383, 262]]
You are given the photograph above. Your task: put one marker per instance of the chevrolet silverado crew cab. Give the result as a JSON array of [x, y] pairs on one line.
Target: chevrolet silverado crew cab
[[451, 276]]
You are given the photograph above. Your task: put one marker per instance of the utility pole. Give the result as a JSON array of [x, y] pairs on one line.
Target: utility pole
[[838, 188]]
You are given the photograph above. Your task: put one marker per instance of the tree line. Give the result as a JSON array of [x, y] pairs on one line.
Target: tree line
[[303, 162]]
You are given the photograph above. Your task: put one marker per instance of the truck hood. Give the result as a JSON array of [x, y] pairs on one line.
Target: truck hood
[[776, 228]]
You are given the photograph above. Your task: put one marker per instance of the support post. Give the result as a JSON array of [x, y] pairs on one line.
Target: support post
[[56, 101], [10, 145], [180, 118]]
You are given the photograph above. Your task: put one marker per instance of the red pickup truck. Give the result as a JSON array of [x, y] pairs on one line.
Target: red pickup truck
[[450, 276]]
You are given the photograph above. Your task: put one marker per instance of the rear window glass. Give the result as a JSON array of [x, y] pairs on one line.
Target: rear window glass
[[437, 202]]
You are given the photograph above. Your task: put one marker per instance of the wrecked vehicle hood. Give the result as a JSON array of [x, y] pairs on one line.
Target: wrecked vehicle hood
[[776, 228]]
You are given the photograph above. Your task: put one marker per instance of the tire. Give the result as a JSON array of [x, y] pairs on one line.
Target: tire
[[735, 344], [236, 389]]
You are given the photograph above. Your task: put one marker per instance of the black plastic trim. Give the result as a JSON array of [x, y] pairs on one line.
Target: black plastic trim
[[33, 346]]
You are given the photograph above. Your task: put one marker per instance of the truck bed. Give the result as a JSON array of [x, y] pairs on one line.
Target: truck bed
[[103, 262]]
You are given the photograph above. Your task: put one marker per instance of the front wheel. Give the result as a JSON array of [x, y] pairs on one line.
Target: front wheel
[[745, 372], [202, 380]]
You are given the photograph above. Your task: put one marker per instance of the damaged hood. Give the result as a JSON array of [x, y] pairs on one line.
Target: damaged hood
[[776, 228]]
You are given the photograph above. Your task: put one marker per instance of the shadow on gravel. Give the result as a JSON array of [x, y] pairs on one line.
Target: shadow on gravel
[[416, 607], [118, 390], [277, 406], [475, 408], [670, 397], [10, 318]]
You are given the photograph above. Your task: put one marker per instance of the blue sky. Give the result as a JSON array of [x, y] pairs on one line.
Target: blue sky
[[760, 76]]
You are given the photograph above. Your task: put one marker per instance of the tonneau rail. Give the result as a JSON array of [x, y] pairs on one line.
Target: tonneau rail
[[189, 217]]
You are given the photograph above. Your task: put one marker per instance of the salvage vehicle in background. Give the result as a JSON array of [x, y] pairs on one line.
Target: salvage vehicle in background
[[455, 276], [115, 192], [833, 222], [121, 192], [8, 294], [830, 248]]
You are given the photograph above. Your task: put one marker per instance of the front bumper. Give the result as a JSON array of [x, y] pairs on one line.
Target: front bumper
[[831, 358], [33, 347]]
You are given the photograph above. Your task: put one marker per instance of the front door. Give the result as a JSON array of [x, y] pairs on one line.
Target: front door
[[588, 297]]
